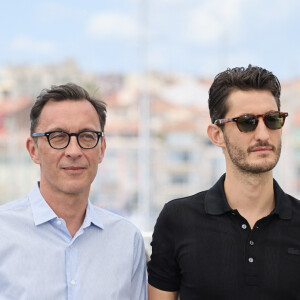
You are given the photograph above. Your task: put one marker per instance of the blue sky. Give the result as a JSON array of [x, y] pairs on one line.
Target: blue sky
[[201, 37]]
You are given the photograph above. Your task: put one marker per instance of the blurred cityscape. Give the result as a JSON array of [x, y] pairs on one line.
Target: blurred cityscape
[[157, 147]]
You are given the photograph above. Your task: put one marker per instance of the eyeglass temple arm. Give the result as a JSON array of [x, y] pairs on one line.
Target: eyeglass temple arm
[[223, 121], [38, 134]]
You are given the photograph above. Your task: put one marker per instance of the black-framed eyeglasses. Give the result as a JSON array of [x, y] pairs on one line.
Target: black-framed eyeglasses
[[248, 122], [59, 139]]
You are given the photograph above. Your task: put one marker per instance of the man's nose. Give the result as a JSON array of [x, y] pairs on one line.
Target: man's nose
[[262, 132], [73, 148]]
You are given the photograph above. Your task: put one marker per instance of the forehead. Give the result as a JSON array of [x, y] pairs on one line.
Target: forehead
[[253, 101], [69, 115]]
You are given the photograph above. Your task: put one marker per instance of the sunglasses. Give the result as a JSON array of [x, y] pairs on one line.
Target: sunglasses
[[248, 122]]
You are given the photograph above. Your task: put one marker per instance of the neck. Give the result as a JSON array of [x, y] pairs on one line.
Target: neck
[[251, 194], [69, 207]]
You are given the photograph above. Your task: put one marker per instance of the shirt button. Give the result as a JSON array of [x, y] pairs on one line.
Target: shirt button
[[73, 282], [251, 260], [58, 222], [244, 226], [251, 243]]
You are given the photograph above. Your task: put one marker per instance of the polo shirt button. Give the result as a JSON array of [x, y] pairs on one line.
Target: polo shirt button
[[251, 243], [73, 282], [244, 226], [251, 260], [58, 222]]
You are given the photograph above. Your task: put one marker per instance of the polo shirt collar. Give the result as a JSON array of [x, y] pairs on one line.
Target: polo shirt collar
[[283, 206], [43, 213], [215, 202]]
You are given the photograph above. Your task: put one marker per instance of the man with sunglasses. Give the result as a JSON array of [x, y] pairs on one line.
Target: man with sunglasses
[[54, 243], [241, 238]]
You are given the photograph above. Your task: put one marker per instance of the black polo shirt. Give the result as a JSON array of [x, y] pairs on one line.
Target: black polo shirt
[[206, 250]]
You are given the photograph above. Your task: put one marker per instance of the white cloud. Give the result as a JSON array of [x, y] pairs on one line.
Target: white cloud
[[212, 21], [112, 25], [27, 44]]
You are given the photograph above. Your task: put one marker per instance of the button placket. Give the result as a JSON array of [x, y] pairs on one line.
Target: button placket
[[71, 269], [244, 226], [250, 249]]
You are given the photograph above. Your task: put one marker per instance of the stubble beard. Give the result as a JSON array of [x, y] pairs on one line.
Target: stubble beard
[[239, 157]]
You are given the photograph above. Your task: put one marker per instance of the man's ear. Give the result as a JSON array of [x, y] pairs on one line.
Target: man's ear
[[32, 149], [216, 135], [102, 149]]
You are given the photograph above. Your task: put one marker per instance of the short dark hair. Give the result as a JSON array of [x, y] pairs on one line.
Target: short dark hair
[[251, 78], [69, 91]]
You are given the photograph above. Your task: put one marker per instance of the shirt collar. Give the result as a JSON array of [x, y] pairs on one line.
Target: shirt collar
[[216, 203], [43, 213], [92, 217]]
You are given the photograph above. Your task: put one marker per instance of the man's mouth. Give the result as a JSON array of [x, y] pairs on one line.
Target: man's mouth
[[259, 149], [71, 168]]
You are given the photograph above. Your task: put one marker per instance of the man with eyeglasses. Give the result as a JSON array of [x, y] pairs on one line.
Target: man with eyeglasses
[[54, 243], [241, 238]]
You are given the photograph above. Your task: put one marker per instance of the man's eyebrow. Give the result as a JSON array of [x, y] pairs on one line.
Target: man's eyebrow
[[58, 129], [82, 129], [89, 129]]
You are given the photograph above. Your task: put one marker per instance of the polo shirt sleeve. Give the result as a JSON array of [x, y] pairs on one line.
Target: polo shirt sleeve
[[163, 270]]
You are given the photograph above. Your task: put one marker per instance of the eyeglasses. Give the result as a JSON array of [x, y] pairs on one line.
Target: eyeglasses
[[248, 122], [59, 139]]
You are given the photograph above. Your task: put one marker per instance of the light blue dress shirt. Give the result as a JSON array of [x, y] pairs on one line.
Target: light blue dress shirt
[[39, 259]]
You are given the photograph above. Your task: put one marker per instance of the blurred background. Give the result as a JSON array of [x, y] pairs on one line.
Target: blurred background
[[153, 63]]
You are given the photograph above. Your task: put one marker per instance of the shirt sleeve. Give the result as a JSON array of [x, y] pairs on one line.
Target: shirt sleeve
[[163, 269], [139, 289]]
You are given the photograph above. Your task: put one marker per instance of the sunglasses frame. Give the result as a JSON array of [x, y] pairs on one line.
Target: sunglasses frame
[[220, 122]]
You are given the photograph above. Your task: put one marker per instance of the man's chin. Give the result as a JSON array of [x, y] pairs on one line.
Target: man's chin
[[74, 189], [259, 168]]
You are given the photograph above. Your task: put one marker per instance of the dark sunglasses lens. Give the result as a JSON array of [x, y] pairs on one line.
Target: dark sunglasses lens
[[247, 123], [274, 120]]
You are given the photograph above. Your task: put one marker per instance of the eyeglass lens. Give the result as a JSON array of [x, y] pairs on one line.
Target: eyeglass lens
[[248, 123], [86, 139]]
